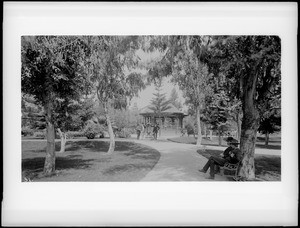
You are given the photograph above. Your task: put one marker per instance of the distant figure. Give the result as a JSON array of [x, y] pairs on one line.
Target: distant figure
[[143, 131], [231, 155], [155, 131], [147, 129], [138, 131]]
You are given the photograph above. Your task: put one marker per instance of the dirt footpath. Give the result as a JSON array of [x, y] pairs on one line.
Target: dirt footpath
[[178, 162]]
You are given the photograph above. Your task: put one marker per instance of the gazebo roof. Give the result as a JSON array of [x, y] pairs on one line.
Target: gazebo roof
[[171, 111]]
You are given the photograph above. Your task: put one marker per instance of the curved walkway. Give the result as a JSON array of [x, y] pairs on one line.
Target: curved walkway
[[178, 162], [181, 162]]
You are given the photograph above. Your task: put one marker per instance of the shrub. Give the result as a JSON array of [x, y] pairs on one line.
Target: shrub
[[190, 129], [92, 129], [26, 131], [43, 134], [124, 133], [40, 134], [75, 134]]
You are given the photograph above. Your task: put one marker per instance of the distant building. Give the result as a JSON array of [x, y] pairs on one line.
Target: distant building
[[170, 121]]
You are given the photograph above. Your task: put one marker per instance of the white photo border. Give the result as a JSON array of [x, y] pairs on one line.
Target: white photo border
[[155, 203]]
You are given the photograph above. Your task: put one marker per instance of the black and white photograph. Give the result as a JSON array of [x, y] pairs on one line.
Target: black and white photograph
[[151, 108], [137, 111]]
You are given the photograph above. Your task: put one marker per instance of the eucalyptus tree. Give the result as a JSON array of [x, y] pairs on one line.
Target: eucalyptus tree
[[110, 67], [182, 59], [216, 113], [270, 119], [50, 71], [253, 62], [71, 115], [250, 64], [192, 77], [33, 117], [174, 99]]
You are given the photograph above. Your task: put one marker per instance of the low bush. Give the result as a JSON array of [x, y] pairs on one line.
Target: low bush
[[26, 131], [75, 134], [92, 129], [124, 133], [190, 130], [40, 134], [43, 134]]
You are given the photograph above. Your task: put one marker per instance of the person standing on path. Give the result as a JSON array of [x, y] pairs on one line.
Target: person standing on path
[[143, 131], [231, 155], [138, 131], [155, 131]]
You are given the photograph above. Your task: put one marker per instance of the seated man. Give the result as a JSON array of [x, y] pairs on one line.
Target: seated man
[[232, 155]]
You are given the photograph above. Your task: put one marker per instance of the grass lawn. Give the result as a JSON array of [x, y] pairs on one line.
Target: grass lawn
[[274, 143], [87, 161], [267, 167]]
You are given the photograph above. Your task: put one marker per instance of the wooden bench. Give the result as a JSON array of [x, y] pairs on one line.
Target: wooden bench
[[230, 170]]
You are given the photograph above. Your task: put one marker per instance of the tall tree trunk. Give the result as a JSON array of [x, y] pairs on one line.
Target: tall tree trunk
[[199, 138], [205, 130], [110, 130], [250, 126], [49, 166], [220, 139], [63, 140], [238, 123], [267, 138]]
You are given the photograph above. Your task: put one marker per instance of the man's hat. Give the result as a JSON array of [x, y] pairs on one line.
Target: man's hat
[[231, 140]]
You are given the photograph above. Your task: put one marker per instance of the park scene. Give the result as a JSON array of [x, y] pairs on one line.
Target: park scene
[[150, 108]]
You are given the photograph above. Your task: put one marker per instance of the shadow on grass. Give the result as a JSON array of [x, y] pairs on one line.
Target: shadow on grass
[[209, 142], [271, 139], [267, 163], [68, 162], [90, 145], [141, 152], [96, 146], [270, 147], [263, 163], [37, 147], [130, 161]]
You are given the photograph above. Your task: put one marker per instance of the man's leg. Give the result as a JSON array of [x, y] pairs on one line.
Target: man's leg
[[211, 163], [206, 166], [218, 160], [212, 170]]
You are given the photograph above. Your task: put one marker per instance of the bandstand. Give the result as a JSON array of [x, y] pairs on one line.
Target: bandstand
[[170, 120]]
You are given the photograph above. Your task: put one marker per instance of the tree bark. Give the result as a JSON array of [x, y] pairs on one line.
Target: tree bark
[[63, 140], [49, 165], [210, 134], [267, 138], [199, 138], [205, 130], [220, 139], [238, 123], [110, 130], [250, 126]]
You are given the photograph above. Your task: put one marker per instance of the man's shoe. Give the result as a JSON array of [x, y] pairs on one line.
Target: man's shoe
[[210, 177], [202, 171]]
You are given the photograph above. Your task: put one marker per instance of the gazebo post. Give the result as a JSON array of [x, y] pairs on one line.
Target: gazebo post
[[180, 122]]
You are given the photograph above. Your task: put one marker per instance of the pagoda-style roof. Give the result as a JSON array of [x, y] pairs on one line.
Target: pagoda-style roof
[[172, 111]]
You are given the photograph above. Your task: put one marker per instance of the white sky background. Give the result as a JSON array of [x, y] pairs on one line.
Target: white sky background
[[146, 95]]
